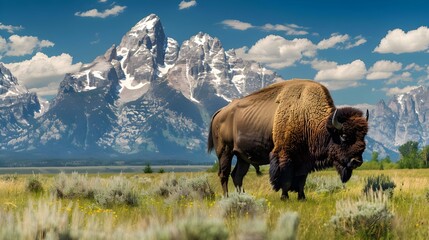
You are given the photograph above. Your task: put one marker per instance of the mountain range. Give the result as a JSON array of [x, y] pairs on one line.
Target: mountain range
[[150, 99], [146, 98]]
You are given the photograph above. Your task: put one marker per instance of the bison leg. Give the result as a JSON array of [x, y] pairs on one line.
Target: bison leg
[[287, 177], [258, 170], [301, 183], [281, 176], [240, 170], [225, 159]]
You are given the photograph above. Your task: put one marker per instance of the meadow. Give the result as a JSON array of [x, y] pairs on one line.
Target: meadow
[[189, 205]]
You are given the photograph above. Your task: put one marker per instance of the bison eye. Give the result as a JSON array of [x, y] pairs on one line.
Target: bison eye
[[343, 137]]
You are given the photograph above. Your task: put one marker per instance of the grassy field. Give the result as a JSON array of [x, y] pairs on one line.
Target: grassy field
[[189, 205]]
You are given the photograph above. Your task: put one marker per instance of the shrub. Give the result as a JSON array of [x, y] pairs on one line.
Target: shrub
[[8, 227], [41, 220], [366, 219], [254, 229], [9, 177], [34, 184], [379, 183], [161, 170], [148, 169], [191, 227], [106, 192], [241, 205], [74, 185], [182, 188], [323, 184], [116, 190], [287, 227]]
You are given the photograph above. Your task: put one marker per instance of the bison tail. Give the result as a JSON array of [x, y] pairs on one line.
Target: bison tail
[[210, 143], [275, 172]]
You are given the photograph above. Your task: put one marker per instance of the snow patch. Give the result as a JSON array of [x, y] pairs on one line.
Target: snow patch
[[200, 39], [216, 73], [239, 82], [88, 87], [401, 101], [224, 97], [190, 84], [162, 70], [128, 83], [97, 74]]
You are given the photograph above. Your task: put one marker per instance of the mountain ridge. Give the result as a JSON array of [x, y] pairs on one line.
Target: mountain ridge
[[129, 103]]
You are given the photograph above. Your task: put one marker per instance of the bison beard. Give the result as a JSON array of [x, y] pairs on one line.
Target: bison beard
[[346, 174]]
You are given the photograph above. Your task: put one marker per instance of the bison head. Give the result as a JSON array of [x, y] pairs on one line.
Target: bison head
[[347, 128]]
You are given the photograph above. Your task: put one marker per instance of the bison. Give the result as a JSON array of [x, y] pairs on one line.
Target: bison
[[295, 127]]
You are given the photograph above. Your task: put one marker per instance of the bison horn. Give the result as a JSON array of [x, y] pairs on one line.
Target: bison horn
[[367, 115], [335, 122]]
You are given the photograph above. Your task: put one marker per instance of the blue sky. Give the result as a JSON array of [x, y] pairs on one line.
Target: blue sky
[[363, 51]]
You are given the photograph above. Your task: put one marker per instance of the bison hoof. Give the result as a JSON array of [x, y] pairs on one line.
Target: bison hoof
[[239, 190], [284, 197]]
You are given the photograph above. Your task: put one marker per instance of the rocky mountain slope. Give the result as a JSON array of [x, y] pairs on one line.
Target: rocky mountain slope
[[403, 118], [18, 110]]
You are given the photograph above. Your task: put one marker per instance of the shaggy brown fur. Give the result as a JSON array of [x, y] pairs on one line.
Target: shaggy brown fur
[[289, 126]]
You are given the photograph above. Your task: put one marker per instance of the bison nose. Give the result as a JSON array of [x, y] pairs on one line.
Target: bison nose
[[354, 163]]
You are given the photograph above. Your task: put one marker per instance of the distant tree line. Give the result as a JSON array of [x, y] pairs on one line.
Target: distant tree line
[[376, 163], [411, 157]]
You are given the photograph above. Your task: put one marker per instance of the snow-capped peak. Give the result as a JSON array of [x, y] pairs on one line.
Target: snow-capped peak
[[9, 84], [148, 23], [147, 33], [201, 38]]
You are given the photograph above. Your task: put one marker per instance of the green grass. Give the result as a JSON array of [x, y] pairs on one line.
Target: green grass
[[157, 216]]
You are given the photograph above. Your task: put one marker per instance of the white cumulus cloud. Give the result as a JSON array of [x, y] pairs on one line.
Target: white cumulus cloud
[[278, 52], [397, 41], [114, 11], [185, 4], [22, 45], [236, 24], [359, 40], [386, 66], [42, 72], [414, 66], [383, 69], [341, 41], [323, 64], [333, 41], [397, 90], [342, 76], [10, 28], [355, 70], [289, 29]]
